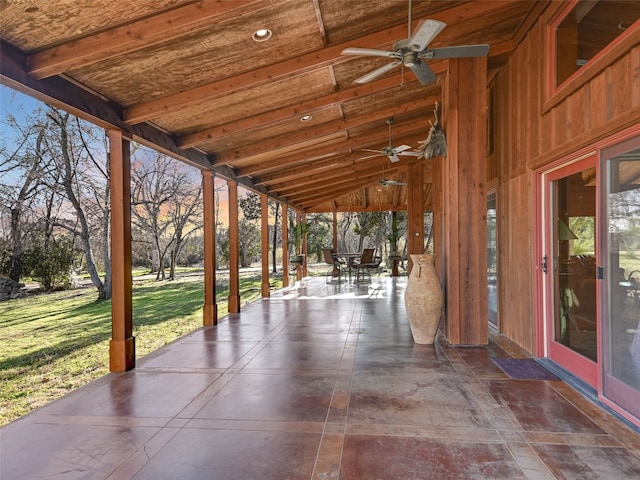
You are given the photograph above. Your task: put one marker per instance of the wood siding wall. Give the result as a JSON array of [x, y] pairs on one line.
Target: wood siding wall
[[531, 131]]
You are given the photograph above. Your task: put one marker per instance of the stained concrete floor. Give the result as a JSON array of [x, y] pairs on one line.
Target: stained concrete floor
[[320, 382]]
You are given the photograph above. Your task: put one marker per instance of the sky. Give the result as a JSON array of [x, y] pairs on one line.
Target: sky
[[20, 106]]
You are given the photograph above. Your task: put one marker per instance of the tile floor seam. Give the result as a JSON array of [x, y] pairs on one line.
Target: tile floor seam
[[508, 414], [356, 313]]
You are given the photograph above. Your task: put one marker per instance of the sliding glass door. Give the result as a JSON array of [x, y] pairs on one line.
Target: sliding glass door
[[621, 267]]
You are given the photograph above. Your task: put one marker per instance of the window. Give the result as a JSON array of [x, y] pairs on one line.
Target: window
[[586, 29]]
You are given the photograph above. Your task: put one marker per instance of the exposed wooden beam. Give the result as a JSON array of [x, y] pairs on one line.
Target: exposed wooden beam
[[253, 78], [291, 111], [295, 164], [286, 144], [323, 207], [532, 17], [335, 180], [137, 35], [350, 180], [325, 196], [267, 170], [287, 68], [344, 156], [61, 93]]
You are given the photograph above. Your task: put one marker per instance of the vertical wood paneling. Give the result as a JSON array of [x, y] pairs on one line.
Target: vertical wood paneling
[[415, 210], [634, 61], [598, 108], [619, 86], [465, 209], [527, 133], [577, 109]]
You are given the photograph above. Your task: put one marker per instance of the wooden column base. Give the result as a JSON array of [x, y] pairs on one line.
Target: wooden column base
[[210, 315], [266, 289], [122, 354], [234, 303]]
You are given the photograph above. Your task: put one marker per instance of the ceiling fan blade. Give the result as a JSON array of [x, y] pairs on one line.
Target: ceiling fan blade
[[377, 72], [394, 158], [390, 183], [368, 52], [369, 156], [459, 51], [401, 148], [412, 153], [424, 73], [370, 150], [426, 32]]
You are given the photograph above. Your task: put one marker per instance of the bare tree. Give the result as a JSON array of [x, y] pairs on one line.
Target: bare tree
[[184, 220], [24, 166], [165, 202], [275, 206], [85, 181]]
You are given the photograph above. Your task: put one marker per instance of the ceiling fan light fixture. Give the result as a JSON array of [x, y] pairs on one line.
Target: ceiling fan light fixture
[[261, 35]]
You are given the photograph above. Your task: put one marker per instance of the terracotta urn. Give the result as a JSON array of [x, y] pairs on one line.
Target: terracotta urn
[[423, 299]]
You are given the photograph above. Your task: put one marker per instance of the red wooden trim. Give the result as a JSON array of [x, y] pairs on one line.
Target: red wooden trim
[[556, 93]]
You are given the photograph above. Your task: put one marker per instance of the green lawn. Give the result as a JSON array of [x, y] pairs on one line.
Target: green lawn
[[53, 343]]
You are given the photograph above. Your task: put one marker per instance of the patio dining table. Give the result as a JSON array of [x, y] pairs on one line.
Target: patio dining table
[[348, 257]]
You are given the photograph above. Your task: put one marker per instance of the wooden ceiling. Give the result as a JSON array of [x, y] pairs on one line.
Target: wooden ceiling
[[187, 77]]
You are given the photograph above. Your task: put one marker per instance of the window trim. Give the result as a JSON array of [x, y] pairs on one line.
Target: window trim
[[606, 57]]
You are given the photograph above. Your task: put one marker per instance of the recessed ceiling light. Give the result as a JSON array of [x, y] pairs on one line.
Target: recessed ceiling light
[[305, 118], [261, 35], [624, 25]]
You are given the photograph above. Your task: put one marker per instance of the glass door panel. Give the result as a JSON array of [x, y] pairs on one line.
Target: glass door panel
[[571, 281], [492, 260], [621, 379]]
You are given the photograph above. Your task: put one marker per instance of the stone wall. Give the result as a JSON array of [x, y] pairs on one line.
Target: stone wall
[[9, 289]]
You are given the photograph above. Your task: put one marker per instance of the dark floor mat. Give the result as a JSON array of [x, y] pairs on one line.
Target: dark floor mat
[[523, 369]]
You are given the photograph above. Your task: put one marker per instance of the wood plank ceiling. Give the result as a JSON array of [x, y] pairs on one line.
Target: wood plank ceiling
[[191, 71]]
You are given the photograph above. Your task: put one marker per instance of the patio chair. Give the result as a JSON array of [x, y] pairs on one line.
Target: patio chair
[[337, 266], [365, 264]]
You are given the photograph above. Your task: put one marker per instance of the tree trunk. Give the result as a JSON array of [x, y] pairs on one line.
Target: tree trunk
[[16, 246], [69, 174]]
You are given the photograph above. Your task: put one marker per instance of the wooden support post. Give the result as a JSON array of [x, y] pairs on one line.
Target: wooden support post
[[210, 310], [234, 249], [285, 245], [264, 243], [438, 214], [415, 210], [122, 345], [303, 219], [335, 231], [464, 224]]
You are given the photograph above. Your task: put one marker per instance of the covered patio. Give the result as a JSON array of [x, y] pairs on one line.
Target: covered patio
[[321, 381]]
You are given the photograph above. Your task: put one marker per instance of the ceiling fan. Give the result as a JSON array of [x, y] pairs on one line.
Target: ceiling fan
[[412, 52], [389, 183], [385, 182], [390, 151]]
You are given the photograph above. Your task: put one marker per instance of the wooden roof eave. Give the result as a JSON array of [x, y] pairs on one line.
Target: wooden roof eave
[[64, 94]]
